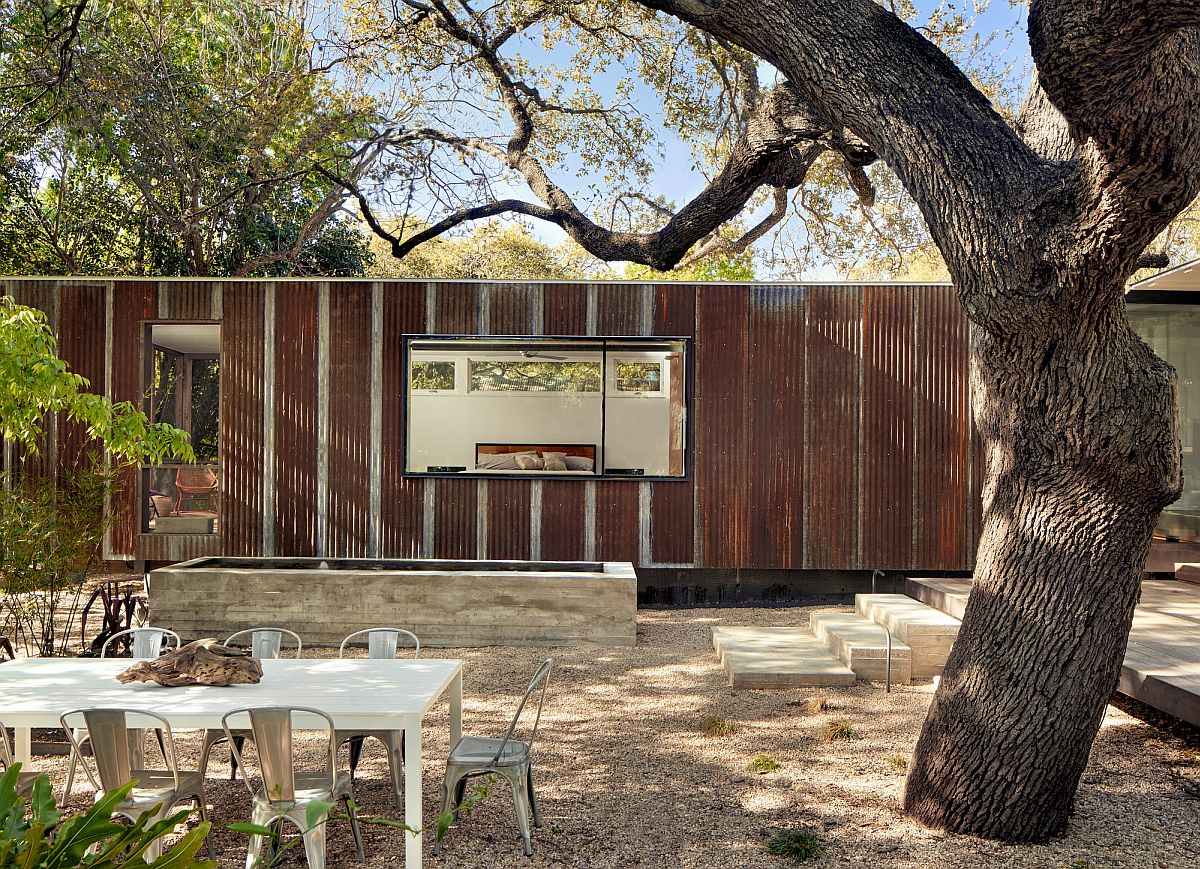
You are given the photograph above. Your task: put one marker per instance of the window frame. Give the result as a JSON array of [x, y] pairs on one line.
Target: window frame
[[623, 343]]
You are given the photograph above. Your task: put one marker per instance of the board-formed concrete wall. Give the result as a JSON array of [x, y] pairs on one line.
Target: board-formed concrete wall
[[467, 606]]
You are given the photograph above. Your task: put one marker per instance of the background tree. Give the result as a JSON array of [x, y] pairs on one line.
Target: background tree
[[176, 138]]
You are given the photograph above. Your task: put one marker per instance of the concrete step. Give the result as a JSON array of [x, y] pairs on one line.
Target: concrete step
[[777, 658], [928, 632], [861, 644], [948, 595]]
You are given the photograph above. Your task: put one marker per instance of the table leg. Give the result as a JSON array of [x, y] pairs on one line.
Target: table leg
[[456, 710], [23, 749], [413, 814]]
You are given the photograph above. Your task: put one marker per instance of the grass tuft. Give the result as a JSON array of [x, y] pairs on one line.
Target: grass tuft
[[715, 726], [898, 762], [762, 764], [796, 845], [816, 705], [837, 730]]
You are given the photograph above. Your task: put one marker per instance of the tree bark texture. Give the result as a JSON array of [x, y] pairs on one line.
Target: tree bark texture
[[1040, 224]]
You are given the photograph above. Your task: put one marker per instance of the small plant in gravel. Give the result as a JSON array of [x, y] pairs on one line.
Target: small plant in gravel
[[898, 762], [796, 845], [762, 764], [816, 705], [837, 730], [715, 725]]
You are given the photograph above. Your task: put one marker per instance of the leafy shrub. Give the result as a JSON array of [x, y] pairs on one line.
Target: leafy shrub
[[43, 840], [762, 763], [796, 845], [837, 730], [715, 726]]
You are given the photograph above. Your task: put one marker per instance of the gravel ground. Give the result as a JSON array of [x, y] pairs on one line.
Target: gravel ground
[[626, 777]]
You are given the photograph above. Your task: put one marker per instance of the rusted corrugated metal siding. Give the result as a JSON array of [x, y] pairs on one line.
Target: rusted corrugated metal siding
[[886, 453], [296, 328], [831, 429], [719, 417], [775, 403], [133, 302], [562, 521], [509, 528], [673, 504], [242, 418], [348, 506], [942, 514], [619, 310], [82, 323], [186, 300], [456, 502], [401, 498]]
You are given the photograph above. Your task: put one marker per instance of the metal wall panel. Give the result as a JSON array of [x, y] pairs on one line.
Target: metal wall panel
[[296, 326], [886, 452], [242, 494], [511, 310], [456, 502], [719, 417], [563, 519], [673, 504], [133, 301], [82, 325], [942, 512], [401, 498], [831, 427], [186, 300], [348, 508], [775, 404]]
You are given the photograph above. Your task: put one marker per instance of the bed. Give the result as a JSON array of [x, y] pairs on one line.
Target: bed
[[566, 459]]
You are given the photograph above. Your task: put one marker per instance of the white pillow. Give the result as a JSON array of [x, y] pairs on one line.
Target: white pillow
[[580, 463]]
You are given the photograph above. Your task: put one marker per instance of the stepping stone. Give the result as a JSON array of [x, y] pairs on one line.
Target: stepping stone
[[928, 632], [778, 658], [861, 644]]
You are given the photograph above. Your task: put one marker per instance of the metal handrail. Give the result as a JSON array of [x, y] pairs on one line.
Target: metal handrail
[[887, 687]]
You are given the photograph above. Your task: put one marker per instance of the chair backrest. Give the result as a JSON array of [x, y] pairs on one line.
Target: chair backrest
[[195, 477], [6, 755], [272, 728], [542, 678], [113, 743], [265, 642], [147, 641], [382, 642]]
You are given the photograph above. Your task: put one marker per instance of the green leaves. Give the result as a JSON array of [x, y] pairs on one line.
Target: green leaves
[[35, 383], [93, 839]]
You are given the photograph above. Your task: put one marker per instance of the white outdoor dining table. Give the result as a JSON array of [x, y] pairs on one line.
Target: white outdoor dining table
[[358, 693]]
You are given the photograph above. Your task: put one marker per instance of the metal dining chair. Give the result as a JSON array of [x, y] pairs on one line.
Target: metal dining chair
[[148, 642], [25, 779], [509, 757], [382, 644], [263, 643], [285, 792], [117, 751]]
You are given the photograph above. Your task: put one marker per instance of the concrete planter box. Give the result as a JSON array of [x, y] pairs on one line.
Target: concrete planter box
[[445, 603]]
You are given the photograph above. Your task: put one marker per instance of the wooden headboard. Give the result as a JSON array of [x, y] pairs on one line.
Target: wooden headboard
[[588, 451]]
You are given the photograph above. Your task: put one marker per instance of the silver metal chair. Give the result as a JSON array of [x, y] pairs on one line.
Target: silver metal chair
[[285, 793], [148, 642], [263, 643], [117, 750], [25, 779], [384, 644], [509, 757]]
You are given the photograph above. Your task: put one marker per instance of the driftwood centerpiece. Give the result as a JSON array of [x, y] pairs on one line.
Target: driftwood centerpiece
[[203, 662]]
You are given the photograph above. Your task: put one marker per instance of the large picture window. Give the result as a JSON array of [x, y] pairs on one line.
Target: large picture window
[[546, 407]]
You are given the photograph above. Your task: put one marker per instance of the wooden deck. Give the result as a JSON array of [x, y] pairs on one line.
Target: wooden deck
[[1162, 660]]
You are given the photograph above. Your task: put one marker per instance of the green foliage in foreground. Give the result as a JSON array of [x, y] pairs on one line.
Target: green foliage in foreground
[[35, 383], [796, 845], [41, 839]]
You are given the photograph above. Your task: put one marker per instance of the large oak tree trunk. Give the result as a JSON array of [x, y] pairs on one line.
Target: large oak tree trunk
[[1079, 428]]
